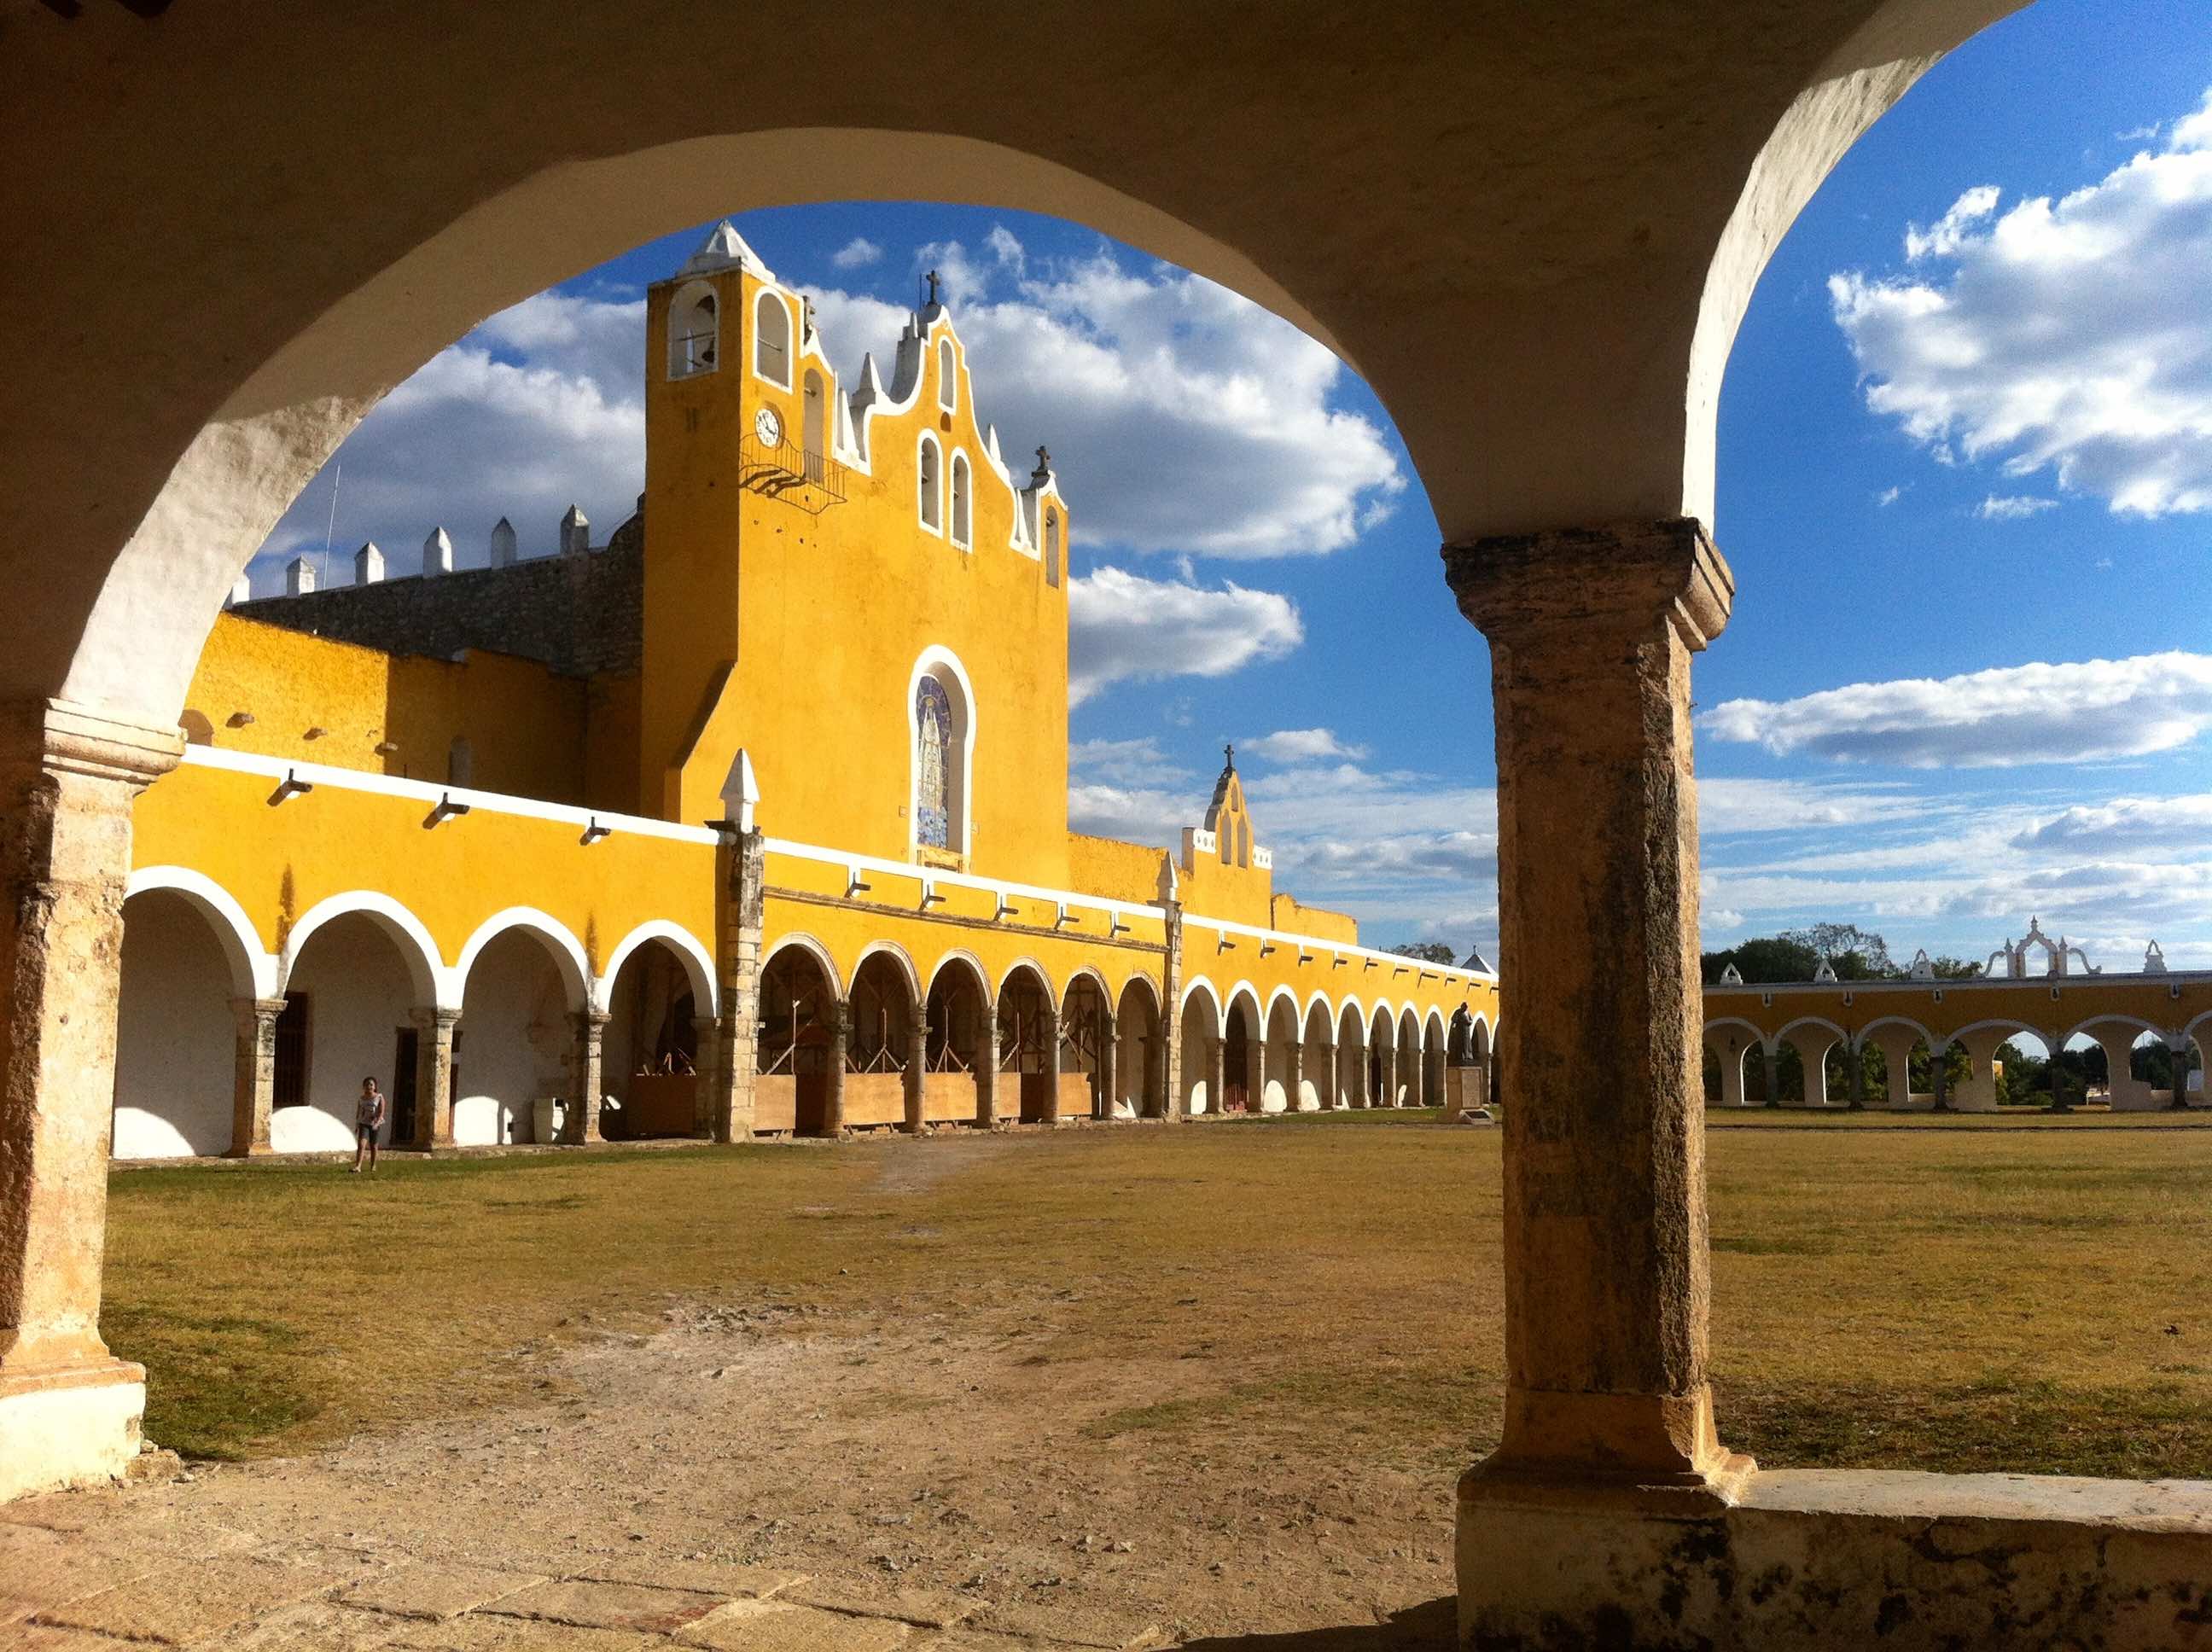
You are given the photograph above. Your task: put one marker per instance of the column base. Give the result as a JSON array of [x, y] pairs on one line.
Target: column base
[[60, 1429], [1821, 1559], [259, 1150]]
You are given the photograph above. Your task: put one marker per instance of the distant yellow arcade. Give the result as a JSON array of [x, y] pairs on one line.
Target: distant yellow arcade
[[751, 819]]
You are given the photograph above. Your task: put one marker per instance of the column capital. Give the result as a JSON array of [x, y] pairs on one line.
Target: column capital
[[434, 1017], [593, 1020], [74, 739], [1610, 578]]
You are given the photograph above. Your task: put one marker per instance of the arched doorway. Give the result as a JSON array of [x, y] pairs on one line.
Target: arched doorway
[[958, 1045], [1140, 1060], [1317, 1062], [1353, 1086], [1085, 1033], [881, 1046], [1432, 1059], [1028, 1045], [1242, 1085], [649, 1052], [1280, 1081], [359, 1002], [177, 1028], [1382, 1058], [791, 1093], [515, 1045], [1200, 1037]]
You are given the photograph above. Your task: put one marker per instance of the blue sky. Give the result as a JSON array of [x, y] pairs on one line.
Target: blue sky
[[1962, 436]]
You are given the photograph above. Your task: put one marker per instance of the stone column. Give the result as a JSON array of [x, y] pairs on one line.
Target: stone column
[[1255, 1075], [985, 1059], [1730, 1063], [581, 1127], [1606, 1282], [2127, 1094], [1159, 1098], [254, 1082], [2057, 1076], [1896, 1043], [1294, 1061], [710, 1062], [1386, 1074], [1170, 1058], [1108, 1065], [915, 1074], [69, 1410], [744, 906], [434, 1076], [1217, 1072], [1048, 1035], [2177, 1049], [833, 1089]]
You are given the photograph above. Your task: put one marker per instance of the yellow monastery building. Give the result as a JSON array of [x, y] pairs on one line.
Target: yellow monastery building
[[752, 820]]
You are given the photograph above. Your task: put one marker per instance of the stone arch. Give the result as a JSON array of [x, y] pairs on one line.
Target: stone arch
[[432, 982], [1199, 1029], [1352, 1086], [1281, 1076], [1432, 1058], [1140, 1064], [959, 1021], [1316, 1055], [185, 992], [253, 972], [1028, 1049], [815, 949], [881, 1041], [565, 949], [899, 959], [1087, 1025], [1408, 1092], [698, 964], [1813, 1048], [1243, 1039]]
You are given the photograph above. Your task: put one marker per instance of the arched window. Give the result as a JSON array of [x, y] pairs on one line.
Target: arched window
[[933, 765], [948, 379], [1052, 547], [812, 414], [942, 737], [930, 489], [694, 329], [772, 340], [960, 498]]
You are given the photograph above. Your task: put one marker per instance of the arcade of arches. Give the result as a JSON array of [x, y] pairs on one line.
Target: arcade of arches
[[1533, 238]]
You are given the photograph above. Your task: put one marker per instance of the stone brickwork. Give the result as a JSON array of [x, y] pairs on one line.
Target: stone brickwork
[[581, 615]]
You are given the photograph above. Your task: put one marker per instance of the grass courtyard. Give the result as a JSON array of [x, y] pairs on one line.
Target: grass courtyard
[[1939, 1296]]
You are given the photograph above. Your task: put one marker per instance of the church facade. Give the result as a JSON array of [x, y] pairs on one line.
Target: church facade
[[750, 820]]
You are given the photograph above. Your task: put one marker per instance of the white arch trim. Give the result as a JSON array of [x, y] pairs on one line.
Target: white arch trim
[[897, 955], [567, 951], [1043, 975], [2006, 1024], [980, 975], [2140, 1026], [1244, 989], [1200, 984], [1297, 1016], [253, 971], [929, 659], [814, 949], [1434, 1022], [439, 985], [1895, 1021], [1097, 977], [698, 964], [1138, 978], [1811, 1020], [1359, 1012]]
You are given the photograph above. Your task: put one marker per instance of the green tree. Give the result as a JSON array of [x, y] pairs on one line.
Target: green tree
[[1856, 954], [1426, 951], [1775, 959]]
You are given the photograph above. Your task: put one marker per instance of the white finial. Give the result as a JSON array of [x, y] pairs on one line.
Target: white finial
[[437, 553], [1825, 972], [299, 577], [575, 533], [368, 564], [1731, 976], [740, 792], [503, 544], [722, 249], [2154, 960]]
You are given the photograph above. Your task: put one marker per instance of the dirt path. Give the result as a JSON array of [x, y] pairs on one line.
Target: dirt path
[[886, 1456]]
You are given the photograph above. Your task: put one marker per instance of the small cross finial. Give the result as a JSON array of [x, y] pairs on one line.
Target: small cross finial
[[1228, 755], [1044, 459], [931, 277]]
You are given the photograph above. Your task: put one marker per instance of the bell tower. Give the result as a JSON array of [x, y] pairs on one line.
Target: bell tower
[[701, 399]]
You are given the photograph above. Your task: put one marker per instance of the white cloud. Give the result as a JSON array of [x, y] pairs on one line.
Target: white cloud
[[2012, 508], [1183, 418], [856, 252], [1122, 626], [2065, 336], [1727, 808], [539, 408], [1287, 745], [1721, 921], [2079, 712], [1889, 497], [2125, 823]]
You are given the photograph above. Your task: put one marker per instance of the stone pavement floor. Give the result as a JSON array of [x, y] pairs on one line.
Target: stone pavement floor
[[69, 1586]]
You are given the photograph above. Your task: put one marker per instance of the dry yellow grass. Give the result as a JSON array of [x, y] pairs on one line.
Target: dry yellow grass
[[1943, 1298]]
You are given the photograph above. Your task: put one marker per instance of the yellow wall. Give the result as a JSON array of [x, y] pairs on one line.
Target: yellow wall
[[525, 723], [1288, 912], [1118, 871], [819, 618], [278, 861], [1267, 966]]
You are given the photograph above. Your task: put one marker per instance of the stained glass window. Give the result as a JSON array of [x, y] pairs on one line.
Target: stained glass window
[[932, 767]]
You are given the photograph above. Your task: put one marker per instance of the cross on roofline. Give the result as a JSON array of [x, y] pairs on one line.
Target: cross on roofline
[[931, 277]]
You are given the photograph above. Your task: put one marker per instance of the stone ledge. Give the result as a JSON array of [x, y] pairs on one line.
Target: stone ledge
[[1825, 1559]]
